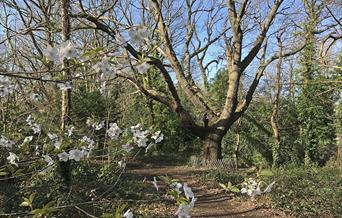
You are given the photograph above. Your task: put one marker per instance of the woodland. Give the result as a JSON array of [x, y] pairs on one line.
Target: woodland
[[170, 108]]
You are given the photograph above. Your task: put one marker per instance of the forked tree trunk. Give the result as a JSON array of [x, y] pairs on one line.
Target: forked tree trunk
[[212, 147]]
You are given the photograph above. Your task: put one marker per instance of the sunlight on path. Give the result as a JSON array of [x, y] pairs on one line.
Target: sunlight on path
[[212, 201]]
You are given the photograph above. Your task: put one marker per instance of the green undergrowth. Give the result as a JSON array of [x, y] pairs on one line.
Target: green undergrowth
[[308, 192], [96, 188], [298, 191]]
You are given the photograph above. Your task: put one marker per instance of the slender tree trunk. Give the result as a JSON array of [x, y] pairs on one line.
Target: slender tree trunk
[[275, 110], [66, 94], [238, 142], [237, 150], [339, 151]]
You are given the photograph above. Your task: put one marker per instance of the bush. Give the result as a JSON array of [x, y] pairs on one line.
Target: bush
[[222, 176]]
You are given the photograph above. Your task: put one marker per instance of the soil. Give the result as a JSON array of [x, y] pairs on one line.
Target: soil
[[212, 201]]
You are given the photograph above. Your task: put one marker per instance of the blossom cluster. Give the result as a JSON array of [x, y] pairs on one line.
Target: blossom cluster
[[104, 67], [184, 210], [74, 154], [140, 137], [252, 188], [66, 50], [54, 138], [95, 125], [114, 131], [138, 35], [37, 128], [64, 86]]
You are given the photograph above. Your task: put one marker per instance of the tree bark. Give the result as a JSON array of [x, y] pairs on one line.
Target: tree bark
[[275, 110], [65, 167], [212, 147]]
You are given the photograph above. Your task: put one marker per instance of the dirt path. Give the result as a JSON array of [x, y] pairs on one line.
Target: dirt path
[[212, 201]]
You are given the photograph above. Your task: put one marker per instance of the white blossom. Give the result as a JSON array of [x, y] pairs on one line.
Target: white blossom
[[138, 34], [63, 156], [140, 138], [57, 144], [35, 97], [269, 187], [148, 147], [184, 210], [251, 188], [141, 142], [29, 120], [114, 131], [70, 131], [67, 50], [127, 147], [52, 136], [36, 148], [64, 86], [48, 160], [28, 139], [99, 125], [89, 141], [187, 191], [121, 41], [37, 128], [102, 87], [4, 142], [12, 158], [94, 124], [158, 136], [176, 186], [52, 53], [122, 164], [154, 182], [76, 155], [104, 67], [128, 214], [142, 68]]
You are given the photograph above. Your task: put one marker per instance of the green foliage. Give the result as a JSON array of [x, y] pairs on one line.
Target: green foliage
[[218, 88], [315, 109], [220, 176], [46, 211], [28, 202], [229, 187], [89, 102], [308, 192]]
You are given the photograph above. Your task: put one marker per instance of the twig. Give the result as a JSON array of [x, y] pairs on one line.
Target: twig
[[85, 212]]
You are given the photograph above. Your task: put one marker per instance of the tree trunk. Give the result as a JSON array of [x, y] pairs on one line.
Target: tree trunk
[[339, 151], [65, 167], [275, 110], [212, 149], [237, 150]]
